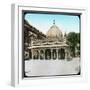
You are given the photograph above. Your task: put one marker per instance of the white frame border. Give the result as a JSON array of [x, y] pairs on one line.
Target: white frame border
[[16, 49]]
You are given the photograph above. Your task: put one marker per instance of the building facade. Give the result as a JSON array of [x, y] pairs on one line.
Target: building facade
[[51, 46], [30, 34]]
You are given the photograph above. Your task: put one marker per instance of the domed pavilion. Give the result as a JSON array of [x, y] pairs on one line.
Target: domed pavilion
[[53, 47], [54, 33]]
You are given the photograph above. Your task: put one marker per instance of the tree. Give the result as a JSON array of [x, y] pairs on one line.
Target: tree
[[78, 43], [72, 40]]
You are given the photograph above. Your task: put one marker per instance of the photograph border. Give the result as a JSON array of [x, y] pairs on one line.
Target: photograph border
[[17, 41], [47, 12]]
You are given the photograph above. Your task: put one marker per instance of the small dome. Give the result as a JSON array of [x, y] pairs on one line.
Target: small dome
[[54, 32]]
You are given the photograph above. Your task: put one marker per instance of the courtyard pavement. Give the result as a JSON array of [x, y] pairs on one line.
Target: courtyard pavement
[[52, 67]]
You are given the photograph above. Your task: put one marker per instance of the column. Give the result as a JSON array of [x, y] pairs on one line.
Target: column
[[39, 54], [66, 53], [57, 52], [51, 53], [44, 53], [32, 52]]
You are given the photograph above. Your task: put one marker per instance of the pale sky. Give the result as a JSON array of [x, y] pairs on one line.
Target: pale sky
[[43, 22]]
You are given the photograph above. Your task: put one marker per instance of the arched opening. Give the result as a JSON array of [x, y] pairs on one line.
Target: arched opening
[[47, 54], [36, 54], [59, 53], [41, 54], [30, 54], [62, 53], [54, 54]]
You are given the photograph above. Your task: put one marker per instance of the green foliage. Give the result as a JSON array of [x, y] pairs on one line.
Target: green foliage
[[73, 39]]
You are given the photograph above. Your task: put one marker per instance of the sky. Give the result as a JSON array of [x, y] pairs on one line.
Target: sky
[[43, 22]]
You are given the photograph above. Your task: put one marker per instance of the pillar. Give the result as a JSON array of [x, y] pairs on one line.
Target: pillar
[[66, 53], [57, 53], [51, 53], [39, 54], [32, 52]]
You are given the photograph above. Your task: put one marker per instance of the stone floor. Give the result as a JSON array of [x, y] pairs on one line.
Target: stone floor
[[52, 67]]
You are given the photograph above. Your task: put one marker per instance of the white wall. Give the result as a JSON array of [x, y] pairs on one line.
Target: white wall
[[5, 45]]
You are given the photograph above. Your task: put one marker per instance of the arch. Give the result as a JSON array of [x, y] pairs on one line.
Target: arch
[[41, 54], [61, 53], [47, 54], [54, 54], [30, 54], [36, 54]]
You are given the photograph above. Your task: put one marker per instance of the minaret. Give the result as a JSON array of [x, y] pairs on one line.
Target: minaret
[[65, 37], [54, 22]]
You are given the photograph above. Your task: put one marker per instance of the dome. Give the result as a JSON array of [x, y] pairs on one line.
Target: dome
[[54, 32]]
